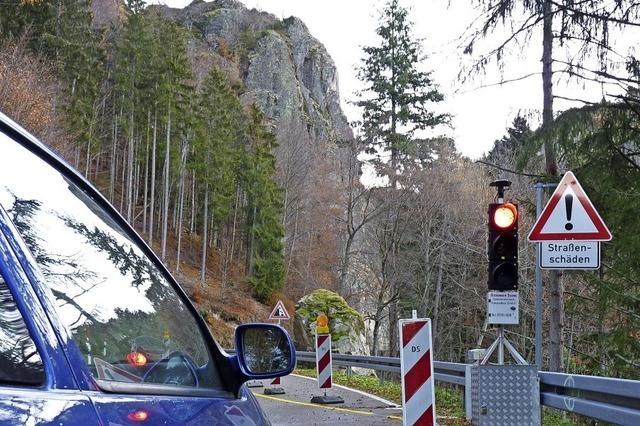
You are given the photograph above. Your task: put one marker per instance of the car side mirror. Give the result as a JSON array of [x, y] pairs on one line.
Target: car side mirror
[[264, 351]]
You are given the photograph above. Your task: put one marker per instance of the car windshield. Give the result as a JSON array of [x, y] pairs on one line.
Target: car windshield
[[127, 319]]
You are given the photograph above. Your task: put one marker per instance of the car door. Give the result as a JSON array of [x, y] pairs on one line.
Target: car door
[[36, 383], [137, 347]]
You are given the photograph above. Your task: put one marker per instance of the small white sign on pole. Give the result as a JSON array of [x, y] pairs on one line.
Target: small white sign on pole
[[502, 307], [569, 255]]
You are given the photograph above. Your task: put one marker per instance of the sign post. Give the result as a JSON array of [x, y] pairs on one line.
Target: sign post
[[278, 313], [323, 362], [416, 372], [568, 232]]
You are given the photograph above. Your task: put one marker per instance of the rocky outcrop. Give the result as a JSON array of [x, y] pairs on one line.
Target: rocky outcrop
[[107, 12], [283, 68], [345, 323]]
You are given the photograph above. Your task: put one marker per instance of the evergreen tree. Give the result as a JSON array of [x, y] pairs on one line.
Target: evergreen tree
[[600, 142], [509, 147], [80, 57], [397, 102], [398, 97], [16, 16], [265, 250], [61, 30], [219, 131]]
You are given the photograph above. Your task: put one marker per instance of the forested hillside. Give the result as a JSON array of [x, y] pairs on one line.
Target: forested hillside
[[157, 115], [217, 132]]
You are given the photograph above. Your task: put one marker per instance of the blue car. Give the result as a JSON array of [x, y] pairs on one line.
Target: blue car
[[93, 328]]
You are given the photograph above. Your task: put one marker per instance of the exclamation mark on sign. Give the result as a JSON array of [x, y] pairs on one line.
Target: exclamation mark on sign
[[568, 203]]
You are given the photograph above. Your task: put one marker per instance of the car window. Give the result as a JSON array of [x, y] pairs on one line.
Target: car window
[[20, 362], [127, 319]]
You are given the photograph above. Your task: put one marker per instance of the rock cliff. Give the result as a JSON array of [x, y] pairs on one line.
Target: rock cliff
[[281, 66]]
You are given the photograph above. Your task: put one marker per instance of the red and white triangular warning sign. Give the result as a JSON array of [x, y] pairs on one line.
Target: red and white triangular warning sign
[[569, 215], [279, 312]]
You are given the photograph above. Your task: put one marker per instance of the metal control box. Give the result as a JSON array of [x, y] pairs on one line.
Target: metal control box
[[505, 395]]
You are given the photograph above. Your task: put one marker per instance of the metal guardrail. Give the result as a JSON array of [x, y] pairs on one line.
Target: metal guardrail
[[448, 372], [604, 398]]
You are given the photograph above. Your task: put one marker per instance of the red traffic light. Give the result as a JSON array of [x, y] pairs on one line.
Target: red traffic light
[[137, 359], [505, 216], [502, 246]]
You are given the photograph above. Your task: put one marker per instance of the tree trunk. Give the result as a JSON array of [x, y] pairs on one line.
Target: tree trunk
[[88, 157], [130, 169], [123, 177], [193, 203], [114, 159], [436, 305], [376, 333], [183, 167], [344, 266], [152, 205], [167, 170], [251, 243], [146, 176], [555, 277], [205, 222]]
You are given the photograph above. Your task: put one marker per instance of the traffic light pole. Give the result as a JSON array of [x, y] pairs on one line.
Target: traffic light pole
[[500, 343], [540, 187], [502, 253]]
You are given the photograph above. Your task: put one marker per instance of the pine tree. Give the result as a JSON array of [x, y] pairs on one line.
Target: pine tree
[[219, 132], [509, 147], [397, 102], [398, 97], [38, 17], [265, 248]]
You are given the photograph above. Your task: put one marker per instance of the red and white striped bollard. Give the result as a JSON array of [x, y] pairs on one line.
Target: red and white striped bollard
[[416, 365]]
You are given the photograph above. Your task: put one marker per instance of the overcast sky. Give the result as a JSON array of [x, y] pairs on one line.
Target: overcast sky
[[480, 114]]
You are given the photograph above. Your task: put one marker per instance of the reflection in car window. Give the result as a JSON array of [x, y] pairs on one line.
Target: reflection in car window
[[124, 315], [19, 359]]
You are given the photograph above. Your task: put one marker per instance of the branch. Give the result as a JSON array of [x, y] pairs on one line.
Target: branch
[[587, 41], [595, 15], [526, 26], [591, 79], [507, 170], [575, 100], [620, 357], [599, 73], [500, 83], [629, 160]]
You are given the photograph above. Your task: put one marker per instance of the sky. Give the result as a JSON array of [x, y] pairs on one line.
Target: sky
[[480, 114]]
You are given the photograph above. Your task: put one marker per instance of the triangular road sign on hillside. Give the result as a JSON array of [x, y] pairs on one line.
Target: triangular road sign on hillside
[[279, 312], [569, 215]]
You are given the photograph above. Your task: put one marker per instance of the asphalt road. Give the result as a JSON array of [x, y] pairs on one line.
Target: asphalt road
[[295, 407]]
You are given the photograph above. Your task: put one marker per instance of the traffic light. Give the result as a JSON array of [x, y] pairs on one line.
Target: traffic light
[[502, 247]]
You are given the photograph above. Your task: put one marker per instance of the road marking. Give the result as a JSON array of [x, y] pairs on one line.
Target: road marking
[[395, 417], [306, 404], [391, 404]]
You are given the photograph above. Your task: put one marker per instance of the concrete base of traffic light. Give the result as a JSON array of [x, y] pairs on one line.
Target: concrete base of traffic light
[[254, 384], [274, 391]]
